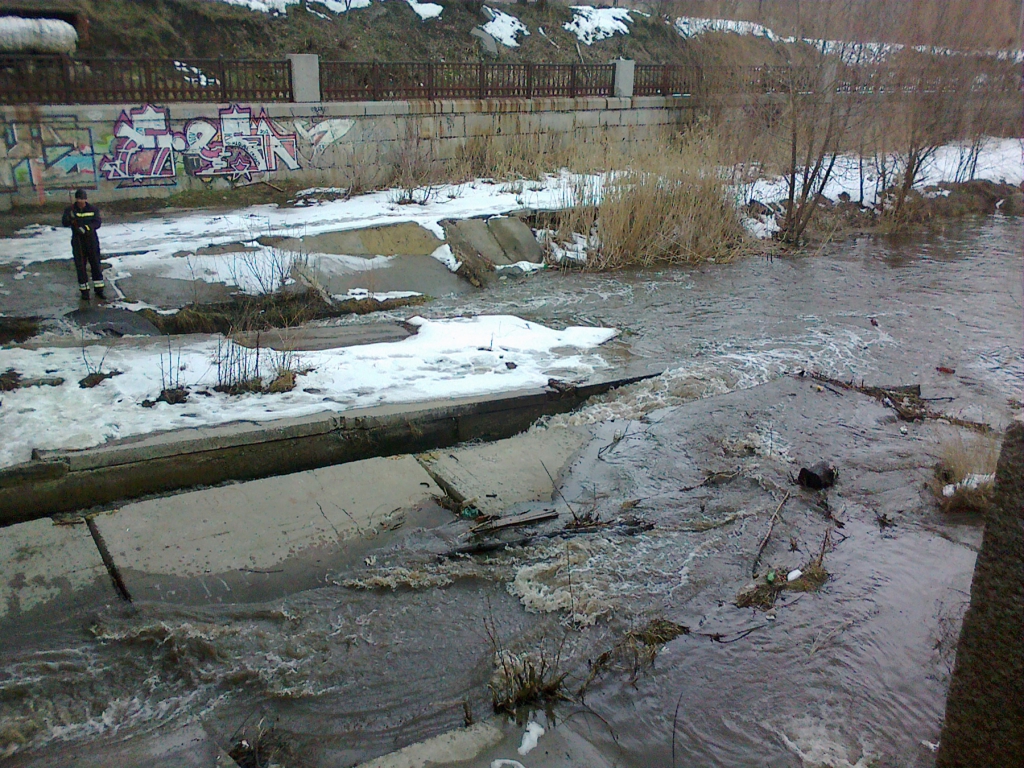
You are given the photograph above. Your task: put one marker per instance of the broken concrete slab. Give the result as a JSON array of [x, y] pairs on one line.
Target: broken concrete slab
[[474, 237], [495, 476], [311, 339], [516, 239], [258, 525], [44, 563]]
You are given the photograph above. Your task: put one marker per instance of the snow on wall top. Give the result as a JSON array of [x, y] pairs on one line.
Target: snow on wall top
[[591, 24], [504, 27], [37, 35]]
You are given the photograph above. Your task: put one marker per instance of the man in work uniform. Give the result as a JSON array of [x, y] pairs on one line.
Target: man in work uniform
[[84, 220]]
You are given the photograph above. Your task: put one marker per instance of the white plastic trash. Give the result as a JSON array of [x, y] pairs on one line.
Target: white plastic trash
[[533, 732], [794, 575]]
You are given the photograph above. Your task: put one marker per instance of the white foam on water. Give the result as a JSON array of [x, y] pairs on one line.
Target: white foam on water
[[819, 747]]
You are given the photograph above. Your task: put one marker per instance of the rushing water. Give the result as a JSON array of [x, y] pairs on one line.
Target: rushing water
[[855, 675]]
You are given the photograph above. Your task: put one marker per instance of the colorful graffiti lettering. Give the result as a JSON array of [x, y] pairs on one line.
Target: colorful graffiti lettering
[[238, 145], [57, 154], [142, 152], [235, 145]]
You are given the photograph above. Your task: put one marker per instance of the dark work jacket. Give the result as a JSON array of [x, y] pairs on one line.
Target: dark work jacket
[[84, 223]]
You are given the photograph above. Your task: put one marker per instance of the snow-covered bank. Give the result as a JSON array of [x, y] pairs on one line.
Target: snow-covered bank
[[998, 160], [447, 358], [150, 245]]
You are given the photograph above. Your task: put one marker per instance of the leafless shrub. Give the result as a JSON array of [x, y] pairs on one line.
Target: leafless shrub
[[256, 370]]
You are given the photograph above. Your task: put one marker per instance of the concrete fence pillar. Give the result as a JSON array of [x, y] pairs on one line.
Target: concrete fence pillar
[[623, 85], [305, 77]]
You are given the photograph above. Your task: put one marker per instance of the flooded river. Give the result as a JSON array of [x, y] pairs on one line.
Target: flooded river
[[852, 675]]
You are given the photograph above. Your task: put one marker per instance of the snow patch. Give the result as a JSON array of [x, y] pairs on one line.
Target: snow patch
[[445, 359], [425, 10], [591, 24], [504, 28]]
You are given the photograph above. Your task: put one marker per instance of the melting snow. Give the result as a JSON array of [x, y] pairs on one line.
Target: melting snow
[[504, 27], [446, 359], [591, 24]]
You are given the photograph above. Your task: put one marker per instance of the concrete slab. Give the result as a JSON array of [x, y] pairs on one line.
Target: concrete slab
[[171, 293], [317, 338], [422, 274], [516, 239], [506, 472], [458, 745], [112, 322], [404, 239], [257, 525], [45, 289], [474, 237], [43, 562]]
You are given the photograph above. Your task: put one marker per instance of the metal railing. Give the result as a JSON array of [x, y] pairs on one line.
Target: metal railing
[[63, 80], [667, 80], [31, 79], [348, 81]]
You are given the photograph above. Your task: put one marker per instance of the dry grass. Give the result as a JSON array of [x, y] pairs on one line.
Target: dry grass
[[961, 456], [669, 206], [636, 651], [813, 577]]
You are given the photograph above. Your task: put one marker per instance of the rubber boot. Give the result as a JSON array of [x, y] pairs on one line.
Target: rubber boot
[[99, 293], [85, 294]]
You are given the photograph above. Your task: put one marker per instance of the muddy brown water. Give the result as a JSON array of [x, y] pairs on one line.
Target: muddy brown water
[[852, 675]]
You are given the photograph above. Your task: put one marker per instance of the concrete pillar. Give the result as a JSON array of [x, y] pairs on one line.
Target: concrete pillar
[[624, 71], [305, 77], [984, 725]]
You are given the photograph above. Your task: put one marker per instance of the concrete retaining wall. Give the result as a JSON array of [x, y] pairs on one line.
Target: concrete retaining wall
[[154, 150]]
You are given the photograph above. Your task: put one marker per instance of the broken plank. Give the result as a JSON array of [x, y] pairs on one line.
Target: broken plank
[[526, 518]]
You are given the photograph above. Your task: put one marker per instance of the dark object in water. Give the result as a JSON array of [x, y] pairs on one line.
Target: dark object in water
[[818, 476], [944, 369]]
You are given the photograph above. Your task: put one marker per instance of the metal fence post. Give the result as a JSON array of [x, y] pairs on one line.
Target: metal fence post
[[529, 81], [222, 75], [481, 90], [572, 81], [430, 81]]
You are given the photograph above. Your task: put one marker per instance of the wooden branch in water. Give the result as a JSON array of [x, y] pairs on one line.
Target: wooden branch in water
[[767, 536]]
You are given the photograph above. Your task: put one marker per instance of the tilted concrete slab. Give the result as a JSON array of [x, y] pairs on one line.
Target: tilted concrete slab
[[472, 236], [43, 562], [497, 475], [257, 525], [516, 239]]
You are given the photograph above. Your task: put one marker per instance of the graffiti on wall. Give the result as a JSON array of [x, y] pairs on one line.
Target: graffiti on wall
[[57, 154], [142, 151], [236, 145]]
